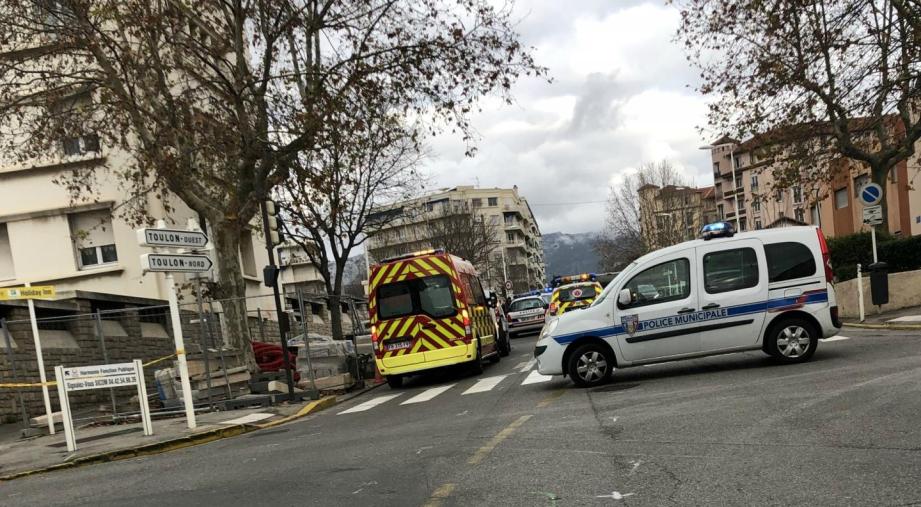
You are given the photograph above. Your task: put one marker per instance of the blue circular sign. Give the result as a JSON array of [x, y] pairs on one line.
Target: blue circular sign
[[871, 194]]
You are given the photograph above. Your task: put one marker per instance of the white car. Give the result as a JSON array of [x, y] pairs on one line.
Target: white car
[[526, 314], [764, 290]]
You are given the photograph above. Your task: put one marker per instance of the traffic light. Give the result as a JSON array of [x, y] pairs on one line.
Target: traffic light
[[273, 233]]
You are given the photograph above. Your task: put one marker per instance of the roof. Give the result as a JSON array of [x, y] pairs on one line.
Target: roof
[[706, 192], [789, 133], [759, 234], [726, 139], [784, 221]]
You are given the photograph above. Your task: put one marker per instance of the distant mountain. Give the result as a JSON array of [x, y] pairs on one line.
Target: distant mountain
[[568, 254]]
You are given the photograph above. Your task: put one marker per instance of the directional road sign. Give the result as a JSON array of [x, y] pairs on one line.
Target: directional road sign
[[37, 292], [871, 194], [174, 238], [179, 263], [873, 215]]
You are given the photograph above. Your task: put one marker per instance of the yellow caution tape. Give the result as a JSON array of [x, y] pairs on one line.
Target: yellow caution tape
[[180, 352], [37, 384], [160, 360]]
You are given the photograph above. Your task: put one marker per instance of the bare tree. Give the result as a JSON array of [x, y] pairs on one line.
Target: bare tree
[[640, 214], [464, 233], [332, 194], [216, 100], [821, 79]]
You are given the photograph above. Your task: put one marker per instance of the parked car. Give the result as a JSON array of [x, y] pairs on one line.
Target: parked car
[[526, 314]]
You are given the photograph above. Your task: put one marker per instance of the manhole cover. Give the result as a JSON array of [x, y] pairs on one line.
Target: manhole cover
[[614, 387]]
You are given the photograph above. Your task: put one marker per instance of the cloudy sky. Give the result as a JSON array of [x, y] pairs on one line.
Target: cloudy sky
[[622, 94]]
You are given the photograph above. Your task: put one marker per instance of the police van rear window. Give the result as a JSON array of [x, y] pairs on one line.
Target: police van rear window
[[789, 261], [430, 295]]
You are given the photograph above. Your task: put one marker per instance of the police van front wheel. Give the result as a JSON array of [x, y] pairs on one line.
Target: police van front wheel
[[590, 365], [792, 341]]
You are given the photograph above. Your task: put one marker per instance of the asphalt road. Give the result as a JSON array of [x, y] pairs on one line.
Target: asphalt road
[[730, 430]]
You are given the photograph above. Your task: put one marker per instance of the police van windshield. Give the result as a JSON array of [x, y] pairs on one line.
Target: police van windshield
[[568, 294], [430, 295], [613, 283]]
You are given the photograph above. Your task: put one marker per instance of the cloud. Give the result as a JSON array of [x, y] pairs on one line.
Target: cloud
[[622, 94]]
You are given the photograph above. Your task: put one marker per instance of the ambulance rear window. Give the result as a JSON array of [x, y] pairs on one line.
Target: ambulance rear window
[[576, 293], [430, 295]]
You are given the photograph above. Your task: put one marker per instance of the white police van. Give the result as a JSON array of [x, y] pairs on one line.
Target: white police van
[[769, 290]]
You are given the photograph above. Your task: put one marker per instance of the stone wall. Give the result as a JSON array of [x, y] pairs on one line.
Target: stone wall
[[904, 292]]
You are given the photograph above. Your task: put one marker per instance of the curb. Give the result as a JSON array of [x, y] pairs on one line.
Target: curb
[[897, 327], [177, 443]]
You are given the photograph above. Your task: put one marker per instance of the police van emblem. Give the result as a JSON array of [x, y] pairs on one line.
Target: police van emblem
[[630, 323]]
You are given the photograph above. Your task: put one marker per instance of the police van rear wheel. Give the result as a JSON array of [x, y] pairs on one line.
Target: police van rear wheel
[[394, 381], [476, 366], [590, 365], [793, 341]]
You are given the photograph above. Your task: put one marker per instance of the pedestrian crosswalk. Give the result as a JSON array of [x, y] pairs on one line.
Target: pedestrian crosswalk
[[481, 385]]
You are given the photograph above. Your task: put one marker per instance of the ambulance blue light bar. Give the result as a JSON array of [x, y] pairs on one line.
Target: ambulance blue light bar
[[717, 230]]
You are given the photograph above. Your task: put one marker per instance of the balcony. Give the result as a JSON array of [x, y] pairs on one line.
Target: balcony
[[738, 190]]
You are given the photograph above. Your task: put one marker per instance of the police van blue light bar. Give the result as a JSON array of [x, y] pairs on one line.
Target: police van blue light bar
[[717, 230]]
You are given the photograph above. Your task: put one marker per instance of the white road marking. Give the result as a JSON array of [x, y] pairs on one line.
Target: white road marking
[[368, 405], [835, 338], [534, 378], [428, 394], [249, 419], [485, 384], [615, 495], [907, 318], [520, 365], [527, 366]]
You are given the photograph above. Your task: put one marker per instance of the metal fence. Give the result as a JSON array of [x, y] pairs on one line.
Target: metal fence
[[86, 332]]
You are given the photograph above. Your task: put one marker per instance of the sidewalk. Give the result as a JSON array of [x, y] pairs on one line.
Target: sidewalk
[[905, 319], [99, 444]]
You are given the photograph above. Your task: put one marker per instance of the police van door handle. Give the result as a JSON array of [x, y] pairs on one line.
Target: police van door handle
[[686, 310], [710, 306]]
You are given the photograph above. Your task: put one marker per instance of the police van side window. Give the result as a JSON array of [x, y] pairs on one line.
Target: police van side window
[[730, 270], [669, 281], [789, 261]]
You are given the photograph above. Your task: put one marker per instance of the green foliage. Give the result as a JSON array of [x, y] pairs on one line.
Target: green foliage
[[901, 254]]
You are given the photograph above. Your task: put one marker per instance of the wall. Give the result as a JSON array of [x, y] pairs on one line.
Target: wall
[[904, 292]]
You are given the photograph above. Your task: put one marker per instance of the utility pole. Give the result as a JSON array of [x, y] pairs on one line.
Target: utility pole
[[272, 227]]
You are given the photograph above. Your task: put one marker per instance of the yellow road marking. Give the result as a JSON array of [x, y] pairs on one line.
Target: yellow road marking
[[443, 491], [484, 451], [549, 399]]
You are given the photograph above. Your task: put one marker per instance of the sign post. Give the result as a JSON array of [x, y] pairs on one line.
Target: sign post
[[103, 376], [176, 262], [29, 293], [870, 196]]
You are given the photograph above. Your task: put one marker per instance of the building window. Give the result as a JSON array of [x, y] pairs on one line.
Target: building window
[[814, 213], [841, 198], [719, 211], [81, 145], [758, 224], [778, 195], [738, 162], [510, 237], [492, 201], [860, 182], [91, 232], [716, 169], [754, 182], [797, 194], [247, 253], [799, 214], [743, 225], [476, 203], [6, 255], [756, 206]]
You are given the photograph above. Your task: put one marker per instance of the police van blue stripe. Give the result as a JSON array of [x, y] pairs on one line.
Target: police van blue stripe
[[701, 316]]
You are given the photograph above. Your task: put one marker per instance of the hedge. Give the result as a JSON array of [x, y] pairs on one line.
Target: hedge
[[901, 254]]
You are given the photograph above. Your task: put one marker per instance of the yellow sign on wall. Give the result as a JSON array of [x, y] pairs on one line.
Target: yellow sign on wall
[[37, 292]]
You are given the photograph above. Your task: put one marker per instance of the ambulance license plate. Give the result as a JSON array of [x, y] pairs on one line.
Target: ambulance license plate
[[402, 344]]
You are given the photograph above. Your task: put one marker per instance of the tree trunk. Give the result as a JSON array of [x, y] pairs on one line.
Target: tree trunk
[[231, 288], [335, 302]]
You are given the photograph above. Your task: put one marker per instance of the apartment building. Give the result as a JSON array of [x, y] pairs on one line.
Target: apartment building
[[518, 252], [748, 194], [674, 213]]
